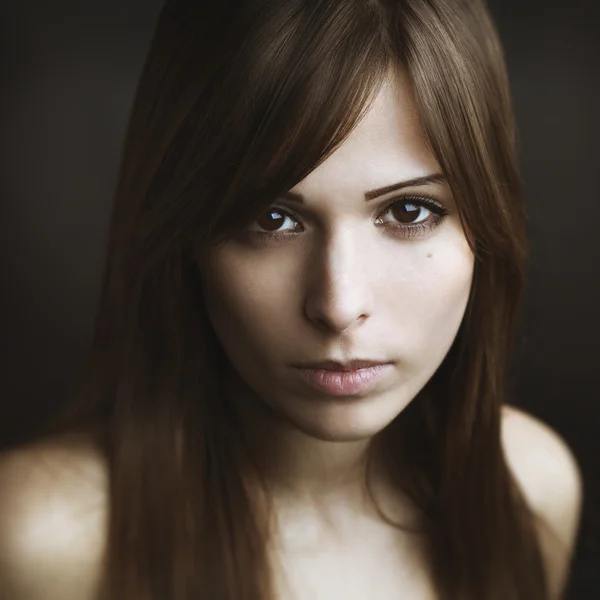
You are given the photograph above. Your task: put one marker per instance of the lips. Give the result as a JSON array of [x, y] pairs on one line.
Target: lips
[[351, 365], [347, 382]]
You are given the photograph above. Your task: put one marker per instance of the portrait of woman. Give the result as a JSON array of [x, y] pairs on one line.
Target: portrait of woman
[[298, 384]]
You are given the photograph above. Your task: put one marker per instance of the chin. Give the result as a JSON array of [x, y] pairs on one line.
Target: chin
[[338, 435], [343, 423]]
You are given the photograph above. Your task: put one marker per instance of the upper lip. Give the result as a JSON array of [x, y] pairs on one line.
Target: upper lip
[[350, 365]]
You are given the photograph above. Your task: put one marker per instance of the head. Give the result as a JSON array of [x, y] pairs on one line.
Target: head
[[241, 104], [333, 272]]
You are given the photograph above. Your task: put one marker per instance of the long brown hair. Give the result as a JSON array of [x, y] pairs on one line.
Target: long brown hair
[[238, 102]]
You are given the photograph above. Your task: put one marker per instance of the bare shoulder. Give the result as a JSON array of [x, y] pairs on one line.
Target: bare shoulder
[[52, 520], [549, 476]]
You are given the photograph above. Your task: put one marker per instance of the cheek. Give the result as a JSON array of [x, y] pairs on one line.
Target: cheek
[[430, 309], [244, 303]]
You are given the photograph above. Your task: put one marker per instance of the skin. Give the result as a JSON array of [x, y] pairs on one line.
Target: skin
[[347, 284]]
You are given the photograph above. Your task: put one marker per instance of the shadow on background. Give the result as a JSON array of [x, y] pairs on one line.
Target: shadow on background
[[68, 81]]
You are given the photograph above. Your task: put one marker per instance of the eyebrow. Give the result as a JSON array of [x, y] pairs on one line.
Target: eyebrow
[[372, 194]]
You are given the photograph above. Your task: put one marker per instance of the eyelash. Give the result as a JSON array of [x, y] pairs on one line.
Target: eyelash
[[407, 231]]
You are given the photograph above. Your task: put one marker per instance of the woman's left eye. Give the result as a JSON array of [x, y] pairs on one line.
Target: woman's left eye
[[408, 208], [404, 212]]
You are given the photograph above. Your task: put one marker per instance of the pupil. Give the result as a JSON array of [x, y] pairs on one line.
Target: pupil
[[275, 223], [407, 214]]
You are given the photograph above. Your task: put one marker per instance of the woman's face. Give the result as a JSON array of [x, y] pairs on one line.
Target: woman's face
[[349, 278]]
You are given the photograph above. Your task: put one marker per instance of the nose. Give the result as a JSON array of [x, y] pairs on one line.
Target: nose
[[340, 293]]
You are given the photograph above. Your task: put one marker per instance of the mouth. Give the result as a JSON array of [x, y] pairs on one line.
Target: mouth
[[346, 366], [347, 381]]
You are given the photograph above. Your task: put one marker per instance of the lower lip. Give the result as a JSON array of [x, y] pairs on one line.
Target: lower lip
[[345, 383]]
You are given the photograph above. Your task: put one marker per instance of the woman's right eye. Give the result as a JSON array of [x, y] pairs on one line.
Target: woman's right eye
[[273, 220]]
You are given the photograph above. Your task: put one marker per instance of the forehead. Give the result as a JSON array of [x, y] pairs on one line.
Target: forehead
[[386, 146]]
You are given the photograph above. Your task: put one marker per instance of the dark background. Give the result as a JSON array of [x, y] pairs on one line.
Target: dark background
[[67, 81]]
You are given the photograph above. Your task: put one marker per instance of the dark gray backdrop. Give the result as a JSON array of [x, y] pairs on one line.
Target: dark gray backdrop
[[67, 82]]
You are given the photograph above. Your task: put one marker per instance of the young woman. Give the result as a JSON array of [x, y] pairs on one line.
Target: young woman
[[299, 378]]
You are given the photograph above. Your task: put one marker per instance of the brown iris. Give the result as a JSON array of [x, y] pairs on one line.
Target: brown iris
[[403, 214], [276, 223]]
